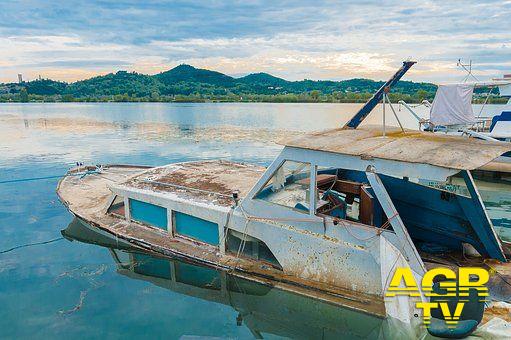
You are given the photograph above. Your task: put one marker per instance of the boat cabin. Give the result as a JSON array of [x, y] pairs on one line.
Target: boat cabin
[[339, 162], [333, 178]]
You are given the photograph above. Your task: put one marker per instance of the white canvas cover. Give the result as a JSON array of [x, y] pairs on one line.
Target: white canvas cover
[[453, 105]]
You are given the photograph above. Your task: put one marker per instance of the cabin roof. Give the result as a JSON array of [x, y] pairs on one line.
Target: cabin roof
[[210, 181], [446, 151]]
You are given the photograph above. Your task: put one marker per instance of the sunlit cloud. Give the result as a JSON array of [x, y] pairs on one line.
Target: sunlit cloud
[[290, 39]]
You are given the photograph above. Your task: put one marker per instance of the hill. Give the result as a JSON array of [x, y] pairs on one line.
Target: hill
[[190, 74], [187, 83], [263, 79], [131, 83]]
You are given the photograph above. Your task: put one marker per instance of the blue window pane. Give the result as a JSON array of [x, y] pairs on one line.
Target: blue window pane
[[196, 228], [148, 213]]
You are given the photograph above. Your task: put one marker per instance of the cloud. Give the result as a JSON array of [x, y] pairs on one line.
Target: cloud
[[292, 39]]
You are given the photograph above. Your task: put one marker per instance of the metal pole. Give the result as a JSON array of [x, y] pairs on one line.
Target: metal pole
[[395, 115], [384, 95], [402, 102]]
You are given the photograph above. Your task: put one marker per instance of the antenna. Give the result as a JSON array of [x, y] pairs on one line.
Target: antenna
[[467, 68]]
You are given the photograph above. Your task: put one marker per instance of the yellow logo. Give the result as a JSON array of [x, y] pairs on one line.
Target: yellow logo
[[457, 286]]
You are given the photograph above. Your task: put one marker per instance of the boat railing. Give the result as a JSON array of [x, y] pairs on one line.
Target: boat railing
[[422, 121], [482, 124], [426, 103], [478, 134]]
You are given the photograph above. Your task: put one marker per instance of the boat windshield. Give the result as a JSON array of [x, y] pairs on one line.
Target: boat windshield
[[117, 206], [289, 186]]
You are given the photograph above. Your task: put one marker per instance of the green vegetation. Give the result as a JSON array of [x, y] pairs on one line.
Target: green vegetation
[[185, 83], [23, 95]]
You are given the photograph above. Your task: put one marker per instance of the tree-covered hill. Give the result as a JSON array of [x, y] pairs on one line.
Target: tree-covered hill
[[263, 79], [130, 83], [190, 74], [187, 83]]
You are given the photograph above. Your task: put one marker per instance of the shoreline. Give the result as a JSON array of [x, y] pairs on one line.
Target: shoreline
[[491, 102]]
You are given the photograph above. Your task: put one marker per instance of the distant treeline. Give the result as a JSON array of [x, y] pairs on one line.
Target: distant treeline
[[185, 83]]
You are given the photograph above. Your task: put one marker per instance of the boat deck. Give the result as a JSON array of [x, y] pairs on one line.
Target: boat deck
[[211, 181]]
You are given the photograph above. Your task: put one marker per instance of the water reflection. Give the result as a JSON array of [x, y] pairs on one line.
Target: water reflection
[[266, 311], [496, 195]]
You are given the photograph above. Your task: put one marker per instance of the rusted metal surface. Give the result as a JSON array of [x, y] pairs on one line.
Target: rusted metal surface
[[452, 152], [214, 181], [87, 197], [496, 312]]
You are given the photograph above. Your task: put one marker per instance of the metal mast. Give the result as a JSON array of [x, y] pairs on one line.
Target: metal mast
[[355, 121]]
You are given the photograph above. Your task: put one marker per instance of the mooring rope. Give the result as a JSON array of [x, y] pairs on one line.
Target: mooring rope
[[30, 179], [81, 174], [30, 244]]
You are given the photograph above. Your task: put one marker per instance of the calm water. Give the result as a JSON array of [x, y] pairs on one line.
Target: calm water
[[72, 289]]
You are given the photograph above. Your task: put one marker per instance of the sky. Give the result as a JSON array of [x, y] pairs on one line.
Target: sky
[[71, 40]]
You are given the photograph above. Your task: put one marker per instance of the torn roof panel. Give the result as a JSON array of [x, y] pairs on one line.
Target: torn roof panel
[[446, 151]]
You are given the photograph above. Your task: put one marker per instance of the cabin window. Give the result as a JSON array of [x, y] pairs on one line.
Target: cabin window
[[117, 206], [289, 186], [250, 247], [148, 213], [343, 197], [196, 228]]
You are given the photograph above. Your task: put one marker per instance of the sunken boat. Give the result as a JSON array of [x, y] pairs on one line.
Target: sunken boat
[[332, 217]]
